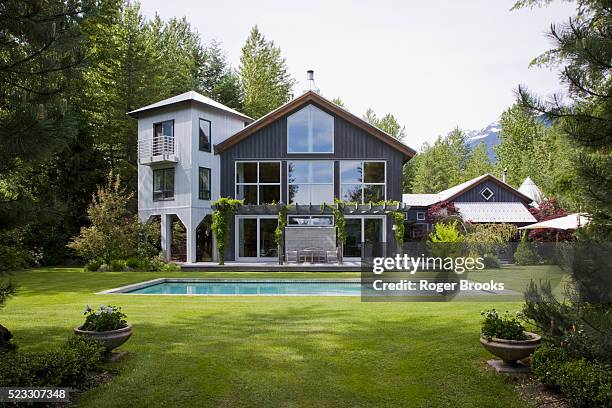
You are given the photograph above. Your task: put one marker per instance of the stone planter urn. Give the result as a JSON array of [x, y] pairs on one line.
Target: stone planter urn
[[110, 339], [511, 351]]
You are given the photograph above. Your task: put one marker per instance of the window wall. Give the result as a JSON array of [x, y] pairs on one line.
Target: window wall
[[310, 130], [362, 181], [258, 182], [310, 182]]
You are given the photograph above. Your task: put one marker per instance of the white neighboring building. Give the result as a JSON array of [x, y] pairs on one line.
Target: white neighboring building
[[178, 172]]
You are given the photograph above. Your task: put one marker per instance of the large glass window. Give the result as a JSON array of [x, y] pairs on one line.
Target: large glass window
[[204, 135], [163, 184], [204, 183], [258, 182], [362, 182], [310, 182], [310, 130]]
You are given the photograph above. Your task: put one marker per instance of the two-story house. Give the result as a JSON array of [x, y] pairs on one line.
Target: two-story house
[[310, 151]]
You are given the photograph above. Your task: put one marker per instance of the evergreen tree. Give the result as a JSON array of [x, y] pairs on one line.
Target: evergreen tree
[[217, 79], [459, 153], [478, 163], [583, 53], [264, 77], [387, 123]]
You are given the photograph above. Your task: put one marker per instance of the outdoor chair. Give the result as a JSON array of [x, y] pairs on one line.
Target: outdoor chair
[[291, 256], [331, 256]]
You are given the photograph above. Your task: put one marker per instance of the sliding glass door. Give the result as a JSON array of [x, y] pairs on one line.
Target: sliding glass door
[[255, 238], [365, 237]]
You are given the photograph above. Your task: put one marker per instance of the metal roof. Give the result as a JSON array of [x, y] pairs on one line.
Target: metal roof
[[450, 193], [495, 212], [531, 190], [189, 96]]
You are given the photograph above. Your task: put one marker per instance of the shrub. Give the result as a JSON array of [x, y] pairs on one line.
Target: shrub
[[118, 265], [65, 367], [525, 253], [490, 262], [105, 268], [133, 263], [105, 318], [505, 327], [583, 383], [93, 265], [6, 343], [446, 240]]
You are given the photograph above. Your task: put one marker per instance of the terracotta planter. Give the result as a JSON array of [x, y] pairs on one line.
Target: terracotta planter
[[110, 339], [510, 351]]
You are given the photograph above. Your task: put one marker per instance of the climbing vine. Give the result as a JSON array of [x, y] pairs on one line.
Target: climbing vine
[[280, 228], [398, 217], [224, 210]]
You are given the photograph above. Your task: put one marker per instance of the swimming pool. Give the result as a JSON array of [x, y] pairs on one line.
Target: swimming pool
[[218, 287]]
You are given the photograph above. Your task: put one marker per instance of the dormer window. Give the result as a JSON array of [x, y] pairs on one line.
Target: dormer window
[[310, 130]]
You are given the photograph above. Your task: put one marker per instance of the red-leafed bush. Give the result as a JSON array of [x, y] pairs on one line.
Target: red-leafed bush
[[549, 210], [441, 212]]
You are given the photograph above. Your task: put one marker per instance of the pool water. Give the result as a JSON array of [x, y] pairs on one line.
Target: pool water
[[255, 288]]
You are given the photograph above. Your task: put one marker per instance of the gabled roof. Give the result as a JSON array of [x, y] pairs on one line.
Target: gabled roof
[[189, 96], [302, 100], [455, 191]]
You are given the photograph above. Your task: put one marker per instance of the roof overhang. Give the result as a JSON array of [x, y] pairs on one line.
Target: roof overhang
[[302, 100]]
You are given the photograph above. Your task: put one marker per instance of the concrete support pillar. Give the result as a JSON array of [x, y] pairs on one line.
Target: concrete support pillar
[[191, 242], [166, 235]]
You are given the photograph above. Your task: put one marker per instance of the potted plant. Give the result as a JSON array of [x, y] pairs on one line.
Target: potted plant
[[106, 324], [505, 337]]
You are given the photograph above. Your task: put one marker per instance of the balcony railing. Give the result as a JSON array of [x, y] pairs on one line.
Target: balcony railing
[[158, 149]]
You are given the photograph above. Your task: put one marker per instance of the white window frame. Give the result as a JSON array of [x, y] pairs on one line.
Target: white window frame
[[487, 189], [364, 184], [420, 216], [257, 258], [312, 184], [279, 184], [333, 137], [362, 218]]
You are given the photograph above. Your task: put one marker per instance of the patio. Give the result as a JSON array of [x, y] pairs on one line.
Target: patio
[[235, 266]]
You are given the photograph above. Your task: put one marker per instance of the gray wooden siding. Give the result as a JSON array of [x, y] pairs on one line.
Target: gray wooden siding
[[350, 142], [501, 194]]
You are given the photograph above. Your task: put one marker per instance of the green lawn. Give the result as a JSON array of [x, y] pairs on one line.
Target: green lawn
[[268, 351]]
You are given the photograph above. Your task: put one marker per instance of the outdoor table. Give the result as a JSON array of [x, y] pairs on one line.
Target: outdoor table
[[309, 252]]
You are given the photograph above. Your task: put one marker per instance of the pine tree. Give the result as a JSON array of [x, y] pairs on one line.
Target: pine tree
[[217, 79], [583, 53], [264, 76]]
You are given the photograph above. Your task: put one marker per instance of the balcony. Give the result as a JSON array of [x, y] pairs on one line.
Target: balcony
[[156, 150]]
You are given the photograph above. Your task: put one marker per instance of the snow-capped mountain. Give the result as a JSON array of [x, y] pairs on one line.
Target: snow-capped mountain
[[488, 135]]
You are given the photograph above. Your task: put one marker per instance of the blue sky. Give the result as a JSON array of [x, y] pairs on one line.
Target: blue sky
[[433, 64]]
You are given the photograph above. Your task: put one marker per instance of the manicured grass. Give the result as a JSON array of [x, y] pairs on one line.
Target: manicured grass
[[268, 351]]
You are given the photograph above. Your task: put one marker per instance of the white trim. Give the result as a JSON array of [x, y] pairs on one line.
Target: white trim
[[363, 183], [257, 258], [491, 195], [257, 184], [418, 214]]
